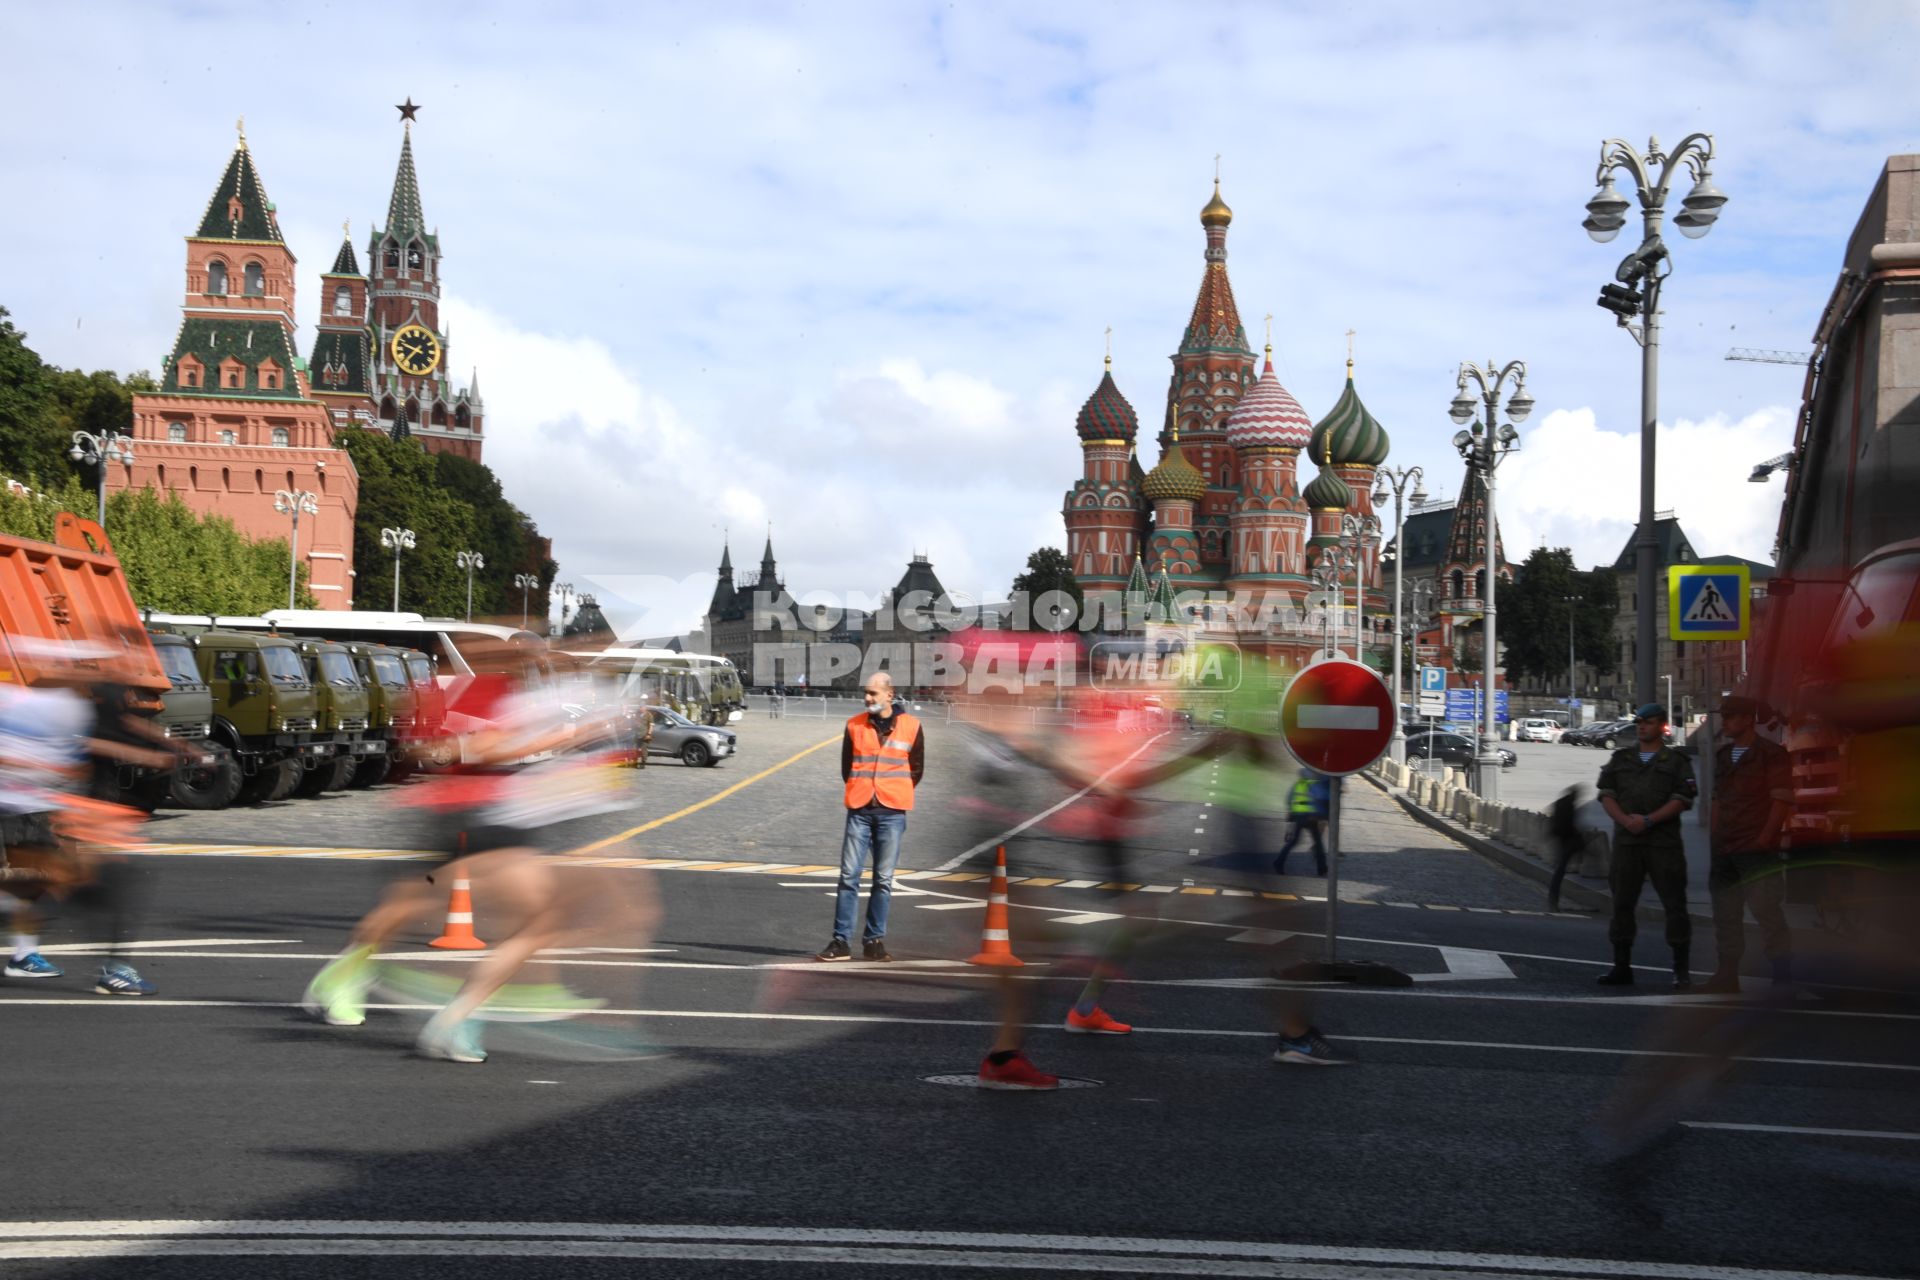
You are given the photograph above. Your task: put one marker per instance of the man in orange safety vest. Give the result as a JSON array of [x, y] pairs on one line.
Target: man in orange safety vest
[[881, 760]]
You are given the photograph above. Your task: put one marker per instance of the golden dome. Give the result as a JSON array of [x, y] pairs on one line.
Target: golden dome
[[1216, 210]]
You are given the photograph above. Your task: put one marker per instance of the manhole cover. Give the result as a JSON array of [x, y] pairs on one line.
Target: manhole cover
[[971, 1081]]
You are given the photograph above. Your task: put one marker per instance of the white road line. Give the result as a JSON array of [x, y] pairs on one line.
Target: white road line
[[1885, 1134], [847, 1019], [1010, 1251], [946, 906], [1262, 937], [1085, 917], [1080, 884], [95, 948], [1044, 814], [1466, 965]]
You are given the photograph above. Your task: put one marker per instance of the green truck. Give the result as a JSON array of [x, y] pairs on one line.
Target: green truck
[[344, 714], [391, 711], [209, 776], [265, 712]]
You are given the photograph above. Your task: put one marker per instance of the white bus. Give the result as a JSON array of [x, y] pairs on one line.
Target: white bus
[[440, 638], [704, 688]]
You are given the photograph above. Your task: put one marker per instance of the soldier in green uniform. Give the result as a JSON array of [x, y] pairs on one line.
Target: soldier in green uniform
[[1645, 788]]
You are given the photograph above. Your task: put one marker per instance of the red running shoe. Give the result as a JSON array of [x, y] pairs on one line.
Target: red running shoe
[[1096, 1023], [1015, 1073]]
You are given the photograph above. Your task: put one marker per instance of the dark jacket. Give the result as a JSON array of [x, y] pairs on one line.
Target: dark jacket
[[1744, 794], [1642, 788]]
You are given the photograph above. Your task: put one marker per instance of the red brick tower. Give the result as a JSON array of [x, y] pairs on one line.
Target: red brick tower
[[234, 419], [409, 348], [1212, 369], [1104, 509], [342, 351]]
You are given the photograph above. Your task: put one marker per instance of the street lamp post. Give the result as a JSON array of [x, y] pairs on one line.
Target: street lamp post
[[469, 560], [1573, 691], [397, 540], [1638, 292], [1356, 530], [526, 582], [1328, 572], [98, 451], [1387, 479], [565, 591], [1484, 446], [295, 502]]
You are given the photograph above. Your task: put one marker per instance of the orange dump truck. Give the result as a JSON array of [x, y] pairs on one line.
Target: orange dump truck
[[64, 606]]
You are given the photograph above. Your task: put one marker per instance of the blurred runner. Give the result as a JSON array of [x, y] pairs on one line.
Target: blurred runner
[[533, 766]]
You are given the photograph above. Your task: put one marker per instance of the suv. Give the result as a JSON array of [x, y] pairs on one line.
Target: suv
[[695, 744], [1536, 730]]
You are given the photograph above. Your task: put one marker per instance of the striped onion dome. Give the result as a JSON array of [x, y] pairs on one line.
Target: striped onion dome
[[1106, 415], [1328, 492], [1268, 417], [1173, 476], [1349, 436]]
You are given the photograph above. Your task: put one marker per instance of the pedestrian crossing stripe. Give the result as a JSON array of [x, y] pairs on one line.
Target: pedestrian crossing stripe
[[1709, 602], [783, 869]]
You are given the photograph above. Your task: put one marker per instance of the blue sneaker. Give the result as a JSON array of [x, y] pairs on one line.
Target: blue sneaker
[[1310, 1049], [118, 979], [33, 966]]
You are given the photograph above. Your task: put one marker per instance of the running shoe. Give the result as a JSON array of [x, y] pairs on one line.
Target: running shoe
[[33, 966], [338, 993], [1311, 1049], [1015, 1073], [457, 1043], [1096, 1023], [118, 979], [835, 950], [874, 950]]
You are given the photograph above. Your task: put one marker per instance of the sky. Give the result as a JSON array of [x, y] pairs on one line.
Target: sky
[[844, 270]]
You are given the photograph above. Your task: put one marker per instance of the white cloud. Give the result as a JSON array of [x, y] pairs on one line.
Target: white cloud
[[1575, 484]]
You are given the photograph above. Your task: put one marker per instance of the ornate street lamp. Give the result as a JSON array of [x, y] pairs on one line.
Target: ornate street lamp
[[1330, 572], [1639, 279], [1354, 532], [1484, 446], [526, 582], [295, 503], [565, 591], [98, 451], [469, 560], [1393, 480], [397, 540]]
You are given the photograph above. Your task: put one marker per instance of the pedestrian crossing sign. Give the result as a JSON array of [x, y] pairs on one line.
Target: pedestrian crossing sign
[[1708, 602]]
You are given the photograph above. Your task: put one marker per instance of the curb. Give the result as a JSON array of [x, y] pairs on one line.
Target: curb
[[1514, 860]]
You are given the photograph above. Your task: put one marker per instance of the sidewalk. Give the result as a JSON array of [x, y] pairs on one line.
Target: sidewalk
[[1586, 885]]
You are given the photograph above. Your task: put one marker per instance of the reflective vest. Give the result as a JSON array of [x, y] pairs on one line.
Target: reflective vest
[[1302, 805], [881, 770]]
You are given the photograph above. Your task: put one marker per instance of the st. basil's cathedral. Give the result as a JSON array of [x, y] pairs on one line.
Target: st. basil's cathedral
[[1248, 497]]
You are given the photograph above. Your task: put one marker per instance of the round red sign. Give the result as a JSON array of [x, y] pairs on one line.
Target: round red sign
[[1337, 716]]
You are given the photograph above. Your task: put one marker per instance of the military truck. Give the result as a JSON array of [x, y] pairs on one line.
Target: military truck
[[391, 704], [208, 777], [345, 711], [264, 709]]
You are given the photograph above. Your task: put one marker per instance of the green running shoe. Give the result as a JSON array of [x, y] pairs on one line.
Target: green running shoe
[[338, 993], [459, 1042]]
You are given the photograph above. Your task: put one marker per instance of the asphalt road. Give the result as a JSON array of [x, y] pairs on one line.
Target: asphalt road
[[735, 1109]]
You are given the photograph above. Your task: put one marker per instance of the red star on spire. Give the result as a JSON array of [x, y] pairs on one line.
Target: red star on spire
[[407, 108]]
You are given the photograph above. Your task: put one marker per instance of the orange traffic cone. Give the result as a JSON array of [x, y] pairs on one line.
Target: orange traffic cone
[[459, 935], [994, 946]]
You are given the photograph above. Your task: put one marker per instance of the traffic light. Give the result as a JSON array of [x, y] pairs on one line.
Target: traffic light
[[1620, 300]]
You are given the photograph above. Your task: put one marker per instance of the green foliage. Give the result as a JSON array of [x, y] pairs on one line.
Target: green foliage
[[1048, 569], [42, 406], [175, 561], [452, 505], [1534, 612]]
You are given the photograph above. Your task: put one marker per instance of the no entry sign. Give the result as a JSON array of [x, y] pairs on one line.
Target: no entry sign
[[1337, 717]]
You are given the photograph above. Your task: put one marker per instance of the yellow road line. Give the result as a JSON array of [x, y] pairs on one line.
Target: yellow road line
[[715, 798]]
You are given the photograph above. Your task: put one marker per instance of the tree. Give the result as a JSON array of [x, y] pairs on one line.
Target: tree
[[175, 561], [1048, 569], [1534, 612]]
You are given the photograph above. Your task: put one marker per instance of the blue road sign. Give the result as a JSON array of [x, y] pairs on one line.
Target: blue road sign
[[1464, 704], [1708, 602], [1433, 679]]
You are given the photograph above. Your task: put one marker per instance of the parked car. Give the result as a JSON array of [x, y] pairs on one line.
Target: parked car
[[696, 745], [1452, 749], [1534, 730]]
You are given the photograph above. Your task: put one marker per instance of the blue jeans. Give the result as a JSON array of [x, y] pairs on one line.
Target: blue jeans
[[875, 833]]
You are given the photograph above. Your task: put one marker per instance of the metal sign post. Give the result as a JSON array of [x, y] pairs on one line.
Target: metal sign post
[[1333, 865]]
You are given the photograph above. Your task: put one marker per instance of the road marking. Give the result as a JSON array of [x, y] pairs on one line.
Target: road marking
[[1261, 937], [1885, 1134], [946, 906], [1085, 917], [698, 805], [1467, 965], [88, 948], [873, 1019], [1044, 814], [903, 1249]]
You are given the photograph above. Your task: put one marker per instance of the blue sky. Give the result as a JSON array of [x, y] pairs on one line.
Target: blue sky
[[846, 268]]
